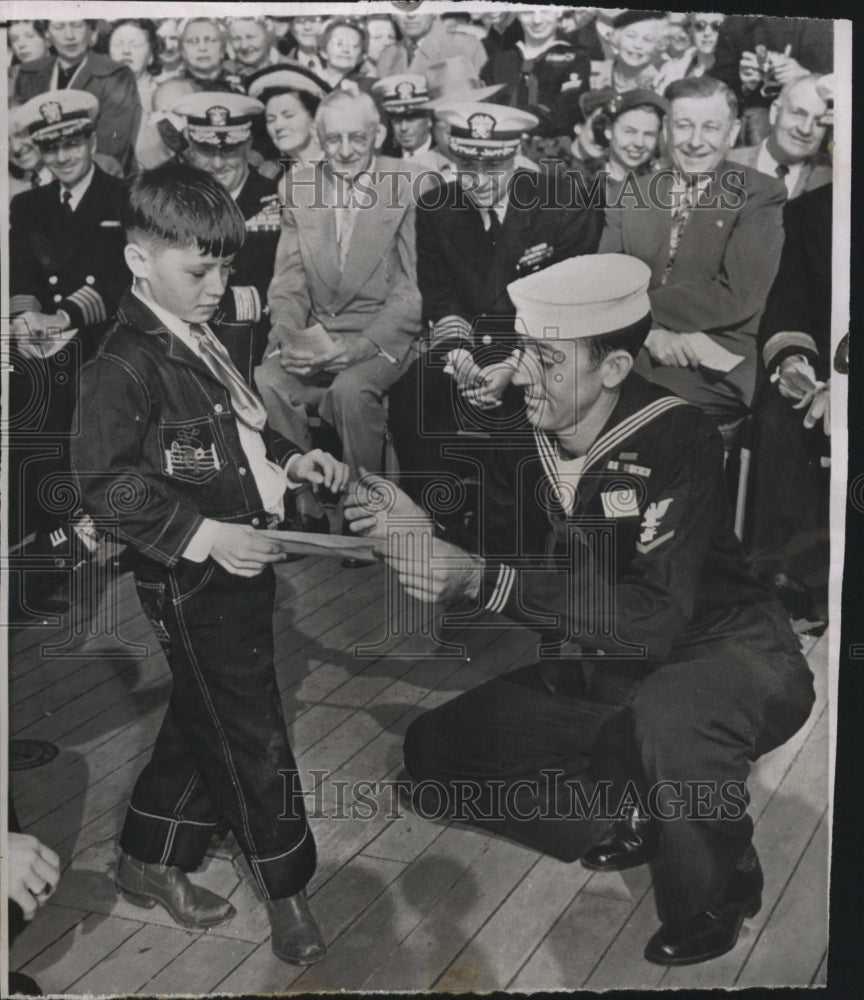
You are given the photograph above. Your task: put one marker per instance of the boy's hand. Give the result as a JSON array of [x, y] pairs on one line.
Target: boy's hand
[[319, 468], [34, 871], [242, 550]]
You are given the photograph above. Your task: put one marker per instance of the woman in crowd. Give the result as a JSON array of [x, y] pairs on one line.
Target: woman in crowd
[[134, 42], [342, 47], [637, 40], [202, 51], [290, 94], [26, 41], [168, 32], [703, 32], [628, 127], [306, 30]]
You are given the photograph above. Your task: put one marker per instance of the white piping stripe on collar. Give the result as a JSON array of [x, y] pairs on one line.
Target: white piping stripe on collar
[[609, 440]]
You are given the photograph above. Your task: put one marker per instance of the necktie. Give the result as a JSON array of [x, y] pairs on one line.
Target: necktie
[[680, 217], [35, 179], [247, 407], [494, 230], [781, 170], [67, 207]]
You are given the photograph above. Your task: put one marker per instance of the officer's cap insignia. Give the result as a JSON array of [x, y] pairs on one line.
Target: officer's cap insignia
[[217, 115], [405, 90], [481, 125], [51, 111]]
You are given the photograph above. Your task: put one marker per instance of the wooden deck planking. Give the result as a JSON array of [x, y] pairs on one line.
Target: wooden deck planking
[[200, 967], [349, 715]]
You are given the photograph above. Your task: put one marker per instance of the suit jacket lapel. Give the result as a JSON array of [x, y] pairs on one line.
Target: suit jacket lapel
[[316, 230], [370, 241]]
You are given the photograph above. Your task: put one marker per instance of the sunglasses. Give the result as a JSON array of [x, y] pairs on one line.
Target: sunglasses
[[706, 26]]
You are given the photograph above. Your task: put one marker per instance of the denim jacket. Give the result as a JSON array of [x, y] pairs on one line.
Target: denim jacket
[[156, 449]]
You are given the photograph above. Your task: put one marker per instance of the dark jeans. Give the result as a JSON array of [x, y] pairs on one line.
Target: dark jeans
[[680, 737], [222, 751]]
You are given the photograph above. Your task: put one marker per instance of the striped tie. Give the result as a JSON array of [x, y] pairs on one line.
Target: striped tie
[[680, 217], [247, 407]]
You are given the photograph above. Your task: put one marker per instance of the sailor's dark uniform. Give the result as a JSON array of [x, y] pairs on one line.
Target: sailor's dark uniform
[[688, 668]]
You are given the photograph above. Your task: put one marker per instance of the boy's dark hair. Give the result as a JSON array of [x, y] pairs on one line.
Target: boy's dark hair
[[178, 204], [630, 339]]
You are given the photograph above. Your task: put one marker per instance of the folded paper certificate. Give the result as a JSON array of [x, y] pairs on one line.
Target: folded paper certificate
[[312, 544], [712, 355]]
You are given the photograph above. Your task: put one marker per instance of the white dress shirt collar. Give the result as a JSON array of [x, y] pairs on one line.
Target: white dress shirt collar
[[79, 189]]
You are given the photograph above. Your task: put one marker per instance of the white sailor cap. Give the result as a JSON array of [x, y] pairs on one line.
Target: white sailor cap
[[587, 296], [218, 119], [484, 131], [59, 114]]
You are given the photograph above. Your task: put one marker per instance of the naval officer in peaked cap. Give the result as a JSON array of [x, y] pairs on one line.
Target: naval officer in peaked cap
[[66, 275], [218, 132], [606, 528]]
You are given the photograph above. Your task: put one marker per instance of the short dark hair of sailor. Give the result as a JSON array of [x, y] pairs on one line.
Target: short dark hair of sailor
[[177, 204], [630, 339]]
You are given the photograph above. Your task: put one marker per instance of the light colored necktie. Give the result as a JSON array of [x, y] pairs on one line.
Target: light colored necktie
[[247, 407]]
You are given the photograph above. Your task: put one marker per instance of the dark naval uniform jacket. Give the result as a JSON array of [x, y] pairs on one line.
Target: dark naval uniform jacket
[[241, 322], [72, 264], [675, 574]]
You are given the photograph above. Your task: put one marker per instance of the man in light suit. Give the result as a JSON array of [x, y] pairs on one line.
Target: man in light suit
[[344, 303], [426, 40], [711, 231], [791, 151]]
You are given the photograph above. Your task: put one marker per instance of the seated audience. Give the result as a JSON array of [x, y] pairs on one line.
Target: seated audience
[[489, 225], [713, 252], [202, 52], [629, 127], [342, 45], [134, 43], [218, 133], [381, 31], [405, 100], [426, 40], [73, 64], [168, 32], [343, 302], [542, 69], [290, 94], [698, 58], [253, 44], [26, 41], [792, 149], [636, 41], [306, 30], [756, 56], [66, 275]]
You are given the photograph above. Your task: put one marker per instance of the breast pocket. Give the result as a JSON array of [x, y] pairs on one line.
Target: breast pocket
[[192, 450]]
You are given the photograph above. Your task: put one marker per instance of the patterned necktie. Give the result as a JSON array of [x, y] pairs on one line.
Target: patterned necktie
[[680, 217], [247, 407]]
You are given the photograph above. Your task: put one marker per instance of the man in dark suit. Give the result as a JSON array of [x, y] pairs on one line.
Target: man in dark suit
[[66, 274], [218, 134], [492, 224], [792, 149], [111, 83], [711, 232]]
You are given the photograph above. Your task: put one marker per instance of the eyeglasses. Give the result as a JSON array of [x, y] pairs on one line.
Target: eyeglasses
[[706, 26], [356, 139]]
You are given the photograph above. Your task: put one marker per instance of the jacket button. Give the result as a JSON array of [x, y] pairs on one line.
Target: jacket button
[[58, 298], [242, 470], [487, 339], [52, 279], [218, 408], [255, 522], [90, 279]]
